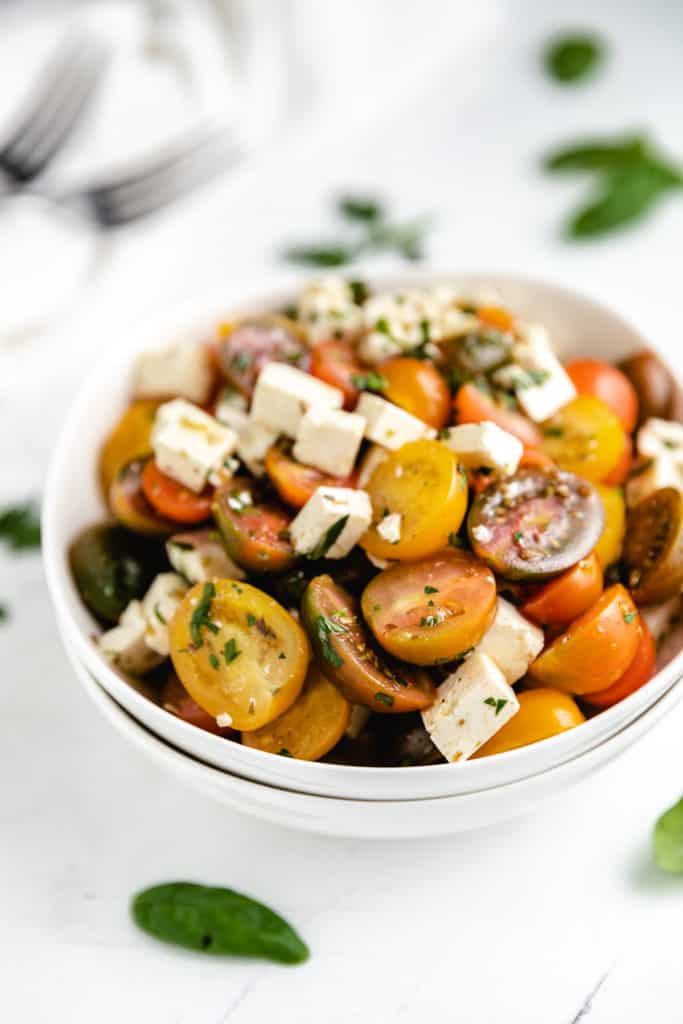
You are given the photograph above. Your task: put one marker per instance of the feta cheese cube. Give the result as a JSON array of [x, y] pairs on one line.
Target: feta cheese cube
[[389, 425], [471, 705], [511, 641], [253, 443], [126, 644], [379, 563], [284, 394], [540, 382], [329, 439], [183, 370], [310, 528], [373, 458], [231, 410], [159, 606], [188, 443], [485, 445], [651, 476], [327, 309], [199, 555], [389, 528], [659, 437]]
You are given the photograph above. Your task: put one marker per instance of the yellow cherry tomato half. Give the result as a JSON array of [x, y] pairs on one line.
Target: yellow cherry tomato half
[[418, 387], [311, 727], [597, 648], [130, 437], [608, 548], [585, 437], [542, 713], [424, 484], [238, 652]]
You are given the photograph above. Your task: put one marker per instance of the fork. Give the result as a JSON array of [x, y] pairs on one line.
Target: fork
[[154, 183], [52, 110]]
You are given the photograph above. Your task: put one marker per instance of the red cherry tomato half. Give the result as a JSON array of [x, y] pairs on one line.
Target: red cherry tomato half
[[335, 363], [604, 381], [636, 675], [472, 406], [172, 500]]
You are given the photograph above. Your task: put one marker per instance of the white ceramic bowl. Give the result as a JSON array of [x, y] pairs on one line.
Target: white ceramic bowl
[[72, 500], [370, 819]]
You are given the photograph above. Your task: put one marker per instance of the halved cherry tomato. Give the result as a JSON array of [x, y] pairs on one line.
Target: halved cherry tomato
[[172, 500], [311, 727], [585, 437], [471, 405], [657, 391], [535, 524], [636, 675], [423, 482], [597, 648], [130, 437], [294, 482], [653, 547], [238, 652], [496, 316], [433, 610], [335, 362], [418, 387], [567, 596], [608, 548], [622, 468], [604, 381], [345, 652], [532, 458], [542, 713], [255, 534], [244, 348], [129, 503], [176, 700]]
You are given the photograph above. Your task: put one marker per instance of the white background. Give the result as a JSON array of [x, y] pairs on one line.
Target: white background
[[442, 110]]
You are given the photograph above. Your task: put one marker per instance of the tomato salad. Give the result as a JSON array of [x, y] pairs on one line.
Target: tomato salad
[[387, 529]]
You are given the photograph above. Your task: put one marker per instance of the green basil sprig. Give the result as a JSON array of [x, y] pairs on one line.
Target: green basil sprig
[[217, 921], [668, 839], [573, 57]]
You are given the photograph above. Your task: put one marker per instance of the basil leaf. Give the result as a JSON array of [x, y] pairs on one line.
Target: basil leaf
[[214, 920], [596, 155], [328, 539], [668, 839], [627, 195], [20, 527], [573, 57], [360, 208]]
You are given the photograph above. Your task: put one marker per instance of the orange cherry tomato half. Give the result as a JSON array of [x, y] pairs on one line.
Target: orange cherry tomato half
[[173, 500], [335, 362], [542, 713], [472, 406], [535, 459], [496, 316], [597, 648], [176, 700], [568, 595], [636, 675], [294, 482], [130, 437], [586, 438], [418, 387], [604, 381]]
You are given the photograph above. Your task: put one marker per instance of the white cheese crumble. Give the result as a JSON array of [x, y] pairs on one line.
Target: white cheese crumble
[[189, 444], [323, 511], [326, 309], [484, 445], [389, 528], [389, 425], [183, 370], [224, 720], [284, 394], [329, 439]]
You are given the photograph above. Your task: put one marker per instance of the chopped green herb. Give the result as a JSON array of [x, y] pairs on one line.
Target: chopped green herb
[[20, 527], [241, 361], [630, 617], [384, 698], [360, 208], [573, 57], [370, 381], [251, 619], [332, 255], [359, 291], [283, 752], [329, 539], [553, 432], [455, 541], [431, 590], [668, 839], [230, 651], [201, 615], [213, 661], [181, 545], [325, 627], [498, 704], [518, 535], [429, 621], [282, 655], [159, 616], [237, 588], [671, 444], [382, 326]]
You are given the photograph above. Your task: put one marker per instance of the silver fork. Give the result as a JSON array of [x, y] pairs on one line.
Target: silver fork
[[154, 183], [52, 110]]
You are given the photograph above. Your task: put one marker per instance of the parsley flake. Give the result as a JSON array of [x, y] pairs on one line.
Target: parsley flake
[[213, 661], [370, 381], [201, 615], [230, 651], [431, 590], [498, 704], [324, 628], [328, 539], [629, 617], [384, 698]]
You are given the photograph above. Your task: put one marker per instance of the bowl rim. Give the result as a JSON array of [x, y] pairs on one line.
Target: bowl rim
[[205, 310]]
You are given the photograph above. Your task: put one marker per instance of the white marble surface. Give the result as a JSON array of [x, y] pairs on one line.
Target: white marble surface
[[514, 924]]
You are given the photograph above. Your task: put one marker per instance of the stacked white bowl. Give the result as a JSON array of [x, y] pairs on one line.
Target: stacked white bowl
[[321, 797]]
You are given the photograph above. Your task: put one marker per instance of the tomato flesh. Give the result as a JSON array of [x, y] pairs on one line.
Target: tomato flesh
[[246, 347], [472, 406], [172, 500], [431, 611], [418, 387], [535, 524], [597, 648], [585, 437], [636, 675], [255, 534], [653, 547], [131, 437], [542, 713], [176, 700], [568, 595], [335, 363], [129, 503], [604, 381], [294, 482]]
